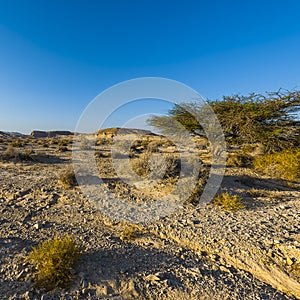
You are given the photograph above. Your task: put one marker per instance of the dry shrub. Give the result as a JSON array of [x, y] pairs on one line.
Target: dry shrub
[[67, 178], [162, 166], [53, 141], [282, 165], [85, 144], [193, 197], [239, 160], [102, 141], [62, 148], [258, 193], [53, 261], [18, 143], [140, 165], [15, 155], [295, 269], [44, 142], [228, 202], [129, 233], [101, 154]]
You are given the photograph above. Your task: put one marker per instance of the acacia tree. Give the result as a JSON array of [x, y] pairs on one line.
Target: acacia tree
[[269, 119]]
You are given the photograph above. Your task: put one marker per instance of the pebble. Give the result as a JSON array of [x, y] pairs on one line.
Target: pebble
[[37, 226]]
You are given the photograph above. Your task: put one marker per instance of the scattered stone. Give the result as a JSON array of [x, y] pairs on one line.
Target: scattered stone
[[37, 225], [289, 261], [152, 277], [224, 269]]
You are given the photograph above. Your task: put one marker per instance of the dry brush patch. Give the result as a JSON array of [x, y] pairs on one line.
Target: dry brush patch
[[53, 261], [228, 202], [67, 178], [282, 165], [16, 155]]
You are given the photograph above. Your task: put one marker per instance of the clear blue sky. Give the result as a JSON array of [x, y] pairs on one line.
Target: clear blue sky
[[56, 56]]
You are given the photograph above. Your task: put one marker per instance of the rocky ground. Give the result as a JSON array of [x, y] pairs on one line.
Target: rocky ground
[[194, 253]]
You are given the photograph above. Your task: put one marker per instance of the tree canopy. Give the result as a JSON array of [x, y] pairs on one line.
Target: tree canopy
[[270, 119]]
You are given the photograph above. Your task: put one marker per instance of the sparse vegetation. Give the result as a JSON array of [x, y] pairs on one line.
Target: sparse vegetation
[[62, 148], [85, 144], [161, 166], [53, 261], [15, 155], [295, 269], [102, 141], [44, 142], [67, 178], [239, 159], [195, 196], [129, 233], [173, 238], [18, 143], [283, 165], [228, 202]]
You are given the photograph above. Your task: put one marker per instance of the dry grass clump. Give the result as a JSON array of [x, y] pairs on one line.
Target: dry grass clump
[[62, 148], [283, 165], [53, 261], [228, 202], [67, 178], [103, 141], [239, 159], [85, 144], [44, 142], [194, 197], [162, 166], [295, 269], [258, 193], [15, 155], [129, 233], [18, 143], [62, 145]]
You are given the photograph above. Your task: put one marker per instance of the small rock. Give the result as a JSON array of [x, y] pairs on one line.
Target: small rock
[[214, 257], [37, 226], [224, 269], [20, 274], [130, 290], [152, 278], [84, 283], [28, 295], [289, 261]]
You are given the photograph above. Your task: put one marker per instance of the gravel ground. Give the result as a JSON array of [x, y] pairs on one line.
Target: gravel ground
[[195, 253]]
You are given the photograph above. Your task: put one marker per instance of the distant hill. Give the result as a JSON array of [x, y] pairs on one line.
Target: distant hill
[[117, 130], [4, 134], [54, 133], [44, 134]]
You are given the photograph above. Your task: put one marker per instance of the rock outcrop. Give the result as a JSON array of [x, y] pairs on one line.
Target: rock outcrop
[[44, 134]]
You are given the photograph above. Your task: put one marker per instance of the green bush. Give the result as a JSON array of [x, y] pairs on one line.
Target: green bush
[[269, 119], [53, 261], [228, 202], [283, 165]]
